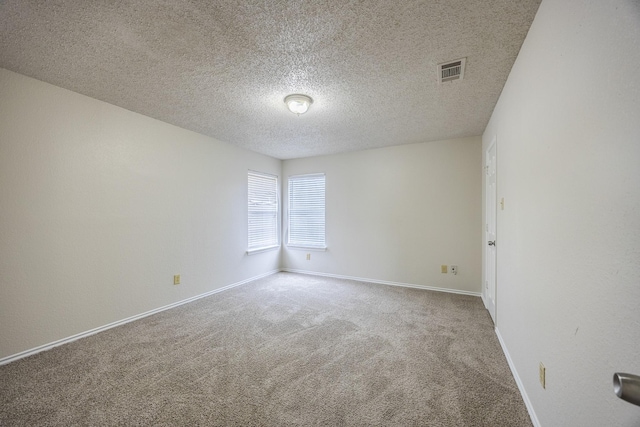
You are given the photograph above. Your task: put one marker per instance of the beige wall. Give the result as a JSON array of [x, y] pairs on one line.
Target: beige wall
[[396, 214], [100, 207], [568, 135]]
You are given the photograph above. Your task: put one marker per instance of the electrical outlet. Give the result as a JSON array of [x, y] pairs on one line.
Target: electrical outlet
[[543, 373], [308, 257], [454, 269], [176, 279], [444, 269]]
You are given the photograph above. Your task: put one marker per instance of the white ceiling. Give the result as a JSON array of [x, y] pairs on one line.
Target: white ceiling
[[223, 68]]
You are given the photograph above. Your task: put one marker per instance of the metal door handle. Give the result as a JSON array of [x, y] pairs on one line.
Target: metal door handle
[[491, 242], [627, 387]]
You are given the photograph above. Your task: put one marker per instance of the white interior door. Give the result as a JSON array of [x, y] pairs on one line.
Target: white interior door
[[489, 288]]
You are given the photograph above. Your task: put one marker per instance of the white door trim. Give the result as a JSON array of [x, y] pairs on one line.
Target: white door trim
[[489, 281]]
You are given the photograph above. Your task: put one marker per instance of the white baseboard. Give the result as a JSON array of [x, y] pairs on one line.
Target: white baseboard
[[384, 282], [525, 397], [26, 353], [23, 354]]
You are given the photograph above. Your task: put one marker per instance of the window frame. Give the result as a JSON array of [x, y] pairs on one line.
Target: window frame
[[320, 246]]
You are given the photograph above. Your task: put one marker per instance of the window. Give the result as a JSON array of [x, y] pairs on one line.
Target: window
[[263, 211], [306, 211]]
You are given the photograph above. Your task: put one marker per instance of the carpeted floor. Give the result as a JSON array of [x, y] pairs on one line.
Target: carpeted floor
[[288, 349]]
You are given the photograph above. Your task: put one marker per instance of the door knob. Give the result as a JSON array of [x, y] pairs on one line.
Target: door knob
[[627, 387], [491, 242]]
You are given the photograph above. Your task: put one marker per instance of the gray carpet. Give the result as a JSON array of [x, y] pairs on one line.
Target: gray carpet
[[288, 349]]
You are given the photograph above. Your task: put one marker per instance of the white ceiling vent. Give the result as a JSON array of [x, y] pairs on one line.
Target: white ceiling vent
[[452, 70]]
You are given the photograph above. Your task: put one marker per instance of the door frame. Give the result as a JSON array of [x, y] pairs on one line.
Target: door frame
[[490, 301]]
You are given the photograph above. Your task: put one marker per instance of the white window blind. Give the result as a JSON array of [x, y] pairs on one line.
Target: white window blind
[[263, 211], [306, 211]]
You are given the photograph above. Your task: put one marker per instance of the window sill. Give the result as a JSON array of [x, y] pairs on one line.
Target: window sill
[[260, 250], [307, 248]]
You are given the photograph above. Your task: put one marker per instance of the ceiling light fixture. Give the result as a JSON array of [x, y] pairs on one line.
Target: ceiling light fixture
[[298, 104]]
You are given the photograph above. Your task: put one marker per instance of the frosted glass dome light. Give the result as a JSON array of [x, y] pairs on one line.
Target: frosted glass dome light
[[298, 104]]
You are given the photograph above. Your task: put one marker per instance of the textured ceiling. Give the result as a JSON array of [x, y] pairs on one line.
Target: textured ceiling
[[223, 68]]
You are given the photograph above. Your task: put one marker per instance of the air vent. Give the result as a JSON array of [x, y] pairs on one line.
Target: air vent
[[450, 71]]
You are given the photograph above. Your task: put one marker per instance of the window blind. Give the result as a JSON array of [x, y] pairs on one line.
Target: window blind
[[263, 210], [306, 211]]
